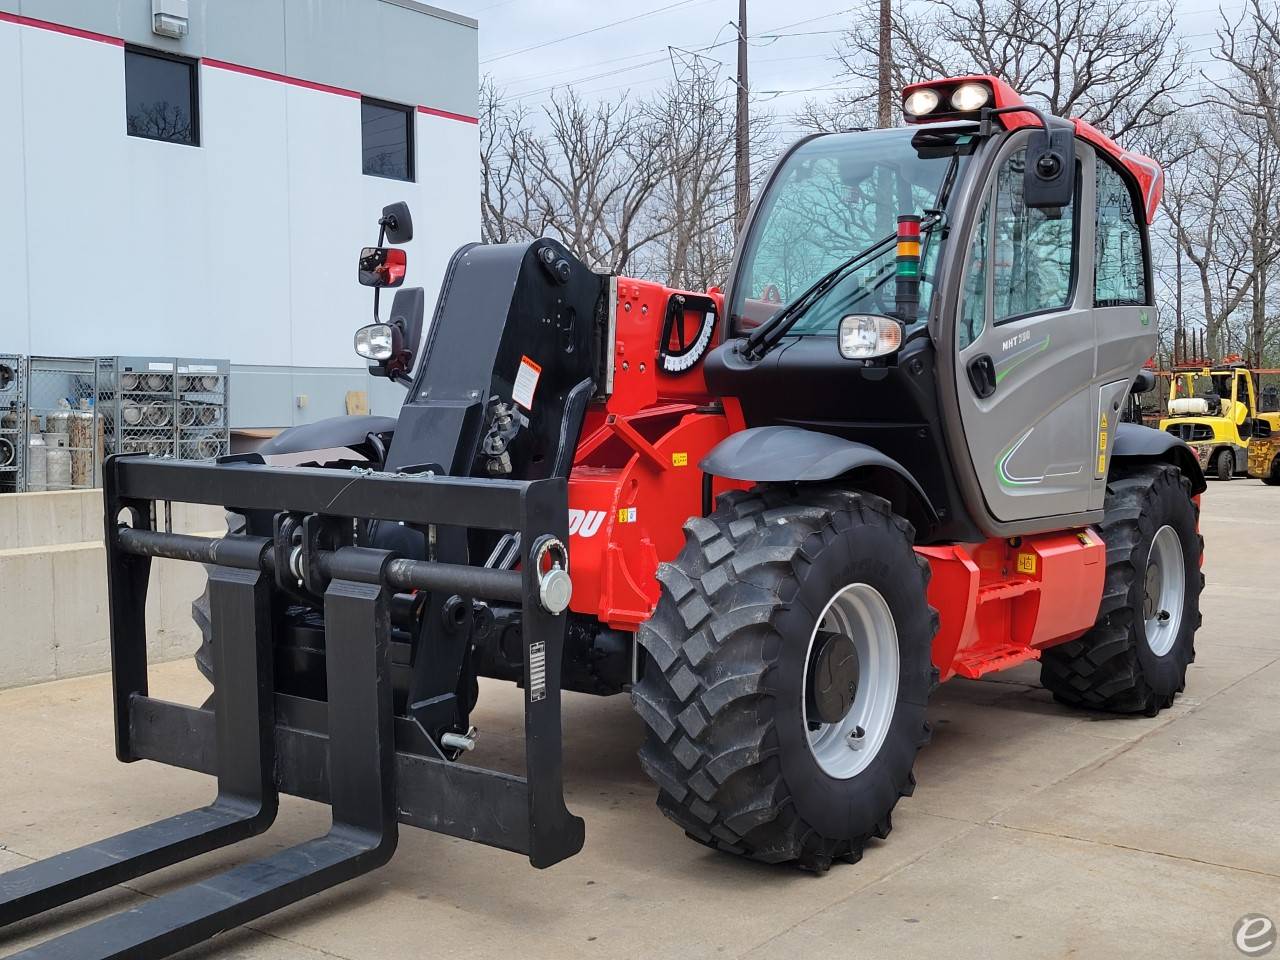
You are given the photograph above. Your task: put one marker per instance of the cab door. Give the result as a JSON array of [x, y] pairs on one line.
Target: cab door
[[1025, 346]]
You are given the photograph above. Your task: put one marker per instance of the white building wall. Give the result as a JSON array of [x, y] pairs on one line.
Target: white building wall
[[243, 247]]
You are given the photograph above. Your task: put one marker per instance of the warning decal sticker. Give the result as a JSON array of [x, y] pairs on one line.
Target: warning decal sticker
[[526, 383]]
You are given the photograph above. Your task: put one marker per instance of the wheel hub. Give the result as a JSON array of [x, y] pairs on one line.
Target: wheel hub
[[851, 681], [833, 678], [1164, 589]]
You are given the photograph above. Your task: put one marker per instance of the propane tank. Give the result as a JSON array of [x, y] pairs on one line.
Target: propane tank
[[83, 437], [37, 464], [58, 421], [57, 460]]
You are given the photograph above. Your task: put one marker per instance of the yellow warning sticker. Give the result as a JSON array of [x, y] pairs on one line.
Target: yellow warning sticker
[[1026, 563], [679, 459], [1102, 463], [627, 515]]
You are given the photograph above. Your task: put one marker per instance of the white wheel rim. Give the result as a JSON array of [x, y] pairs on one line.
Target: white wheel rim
[[1164, 591], [845, 748]]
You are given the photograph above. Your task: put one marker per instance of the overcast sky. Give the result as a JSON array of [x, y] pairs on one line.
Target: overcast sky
[[792, 43]]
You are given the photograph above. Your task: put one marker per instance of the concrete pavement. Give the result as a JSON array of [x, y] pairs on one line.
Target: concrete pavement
[[1036, 832]]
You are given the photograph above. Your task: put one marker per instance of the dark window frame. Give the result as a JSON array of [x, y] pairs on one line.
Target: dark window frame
[[411, 135], [1140, 221], [1073, 291], [193, 68]]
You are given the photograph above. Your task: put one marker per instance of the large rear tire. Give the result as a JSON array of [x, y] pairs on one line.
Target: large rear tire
[[781, 600], [236, 523], [1135, 658]]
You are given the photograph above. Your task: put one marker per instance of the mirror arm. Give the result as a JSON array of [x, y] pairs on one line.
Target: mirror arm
[[990, 112]]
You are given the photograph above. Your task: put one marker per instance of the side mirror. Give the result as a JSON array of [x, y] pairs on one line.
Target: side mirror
[[382, 267], [397, 223], [392, 346], [1049, 178]]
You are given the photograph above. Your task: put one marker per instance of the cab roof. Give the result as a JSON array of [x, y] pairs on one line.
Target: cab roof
[[1145, 171]]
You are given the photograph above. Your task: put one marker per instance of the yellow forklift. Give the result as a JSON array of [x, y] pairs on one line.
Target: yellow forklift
[[1215, 409]]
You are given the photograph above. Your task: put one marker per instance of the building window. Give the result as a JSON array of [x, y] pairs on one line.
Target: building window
[[161, 101], [387, 139]]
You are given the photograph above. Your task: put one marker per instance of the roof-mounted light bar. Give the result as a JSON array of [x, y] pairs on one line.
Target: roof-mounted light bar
[[955, 98]]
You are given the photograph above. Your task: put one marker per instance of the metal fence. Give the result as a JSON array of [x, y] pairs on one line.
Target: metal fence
[[61, 416], [13, 427]]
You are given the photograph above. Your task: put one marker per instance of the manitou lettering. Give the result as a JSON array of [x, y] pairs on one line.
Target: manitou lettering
[[585, 523]]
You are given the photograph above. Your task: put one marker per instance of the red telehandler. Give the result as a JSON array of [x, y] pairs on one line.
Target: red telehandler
[[889, 454]]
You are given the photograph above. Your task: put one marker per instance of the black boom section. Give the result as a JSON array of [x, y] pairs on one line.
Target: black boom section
[[375, 768], [515, 324]]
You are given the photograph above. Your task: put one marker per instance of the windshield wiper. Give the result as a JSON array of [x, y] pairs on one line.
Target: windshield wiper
[[767, 336]]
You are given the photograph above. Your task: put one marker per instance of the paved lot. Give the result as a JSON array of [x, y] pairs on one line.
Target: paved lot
[[1036, 832]]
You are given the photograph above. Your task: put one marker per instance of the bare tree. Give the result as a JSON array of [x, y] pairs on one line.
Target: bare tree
[[692, 123], [642, 186], [1250, 45], [1115, 63], [1222, 200], [505, 211]]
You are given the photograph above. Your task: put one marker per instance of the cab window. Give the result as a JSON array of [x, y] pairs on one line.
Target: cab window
[[836, 196], [973, 302], [1033, 250], [1119, 271]]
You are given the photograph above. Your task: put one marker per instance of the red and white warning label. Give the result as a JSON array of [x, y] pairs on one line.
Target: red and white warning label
[[526, 383]]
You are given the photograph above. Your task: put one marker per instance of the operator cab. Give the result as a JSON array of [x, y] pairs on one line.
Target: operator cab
[[986, 357]]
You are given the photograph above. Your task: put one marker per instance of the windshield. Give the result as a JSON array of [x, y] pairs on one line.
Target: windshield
[[835, 196]]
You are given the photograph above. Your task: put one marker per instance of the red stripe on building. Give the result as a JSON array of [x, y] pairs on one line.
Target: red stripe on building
[[60, 28], [220, 64], [432, 111], [279, 78]]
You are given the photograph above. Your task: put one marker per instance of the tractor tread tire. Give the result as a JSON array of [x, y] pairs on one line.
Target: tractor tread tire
[[200, 608], [1104, 670], [1224, 465], [706, 695]]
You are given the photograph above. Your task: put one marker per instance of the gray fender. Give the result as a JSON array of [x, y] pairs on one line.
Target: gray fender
[[1136, 443], [327, 434], [796, 455]]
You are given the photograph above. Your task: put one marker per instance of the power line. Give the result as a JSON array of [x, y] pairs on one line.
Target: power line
[[583, 33]]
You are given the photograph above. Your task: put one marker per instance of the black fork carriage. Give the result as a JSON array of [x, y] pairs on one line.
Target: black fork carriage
[[375, 768]]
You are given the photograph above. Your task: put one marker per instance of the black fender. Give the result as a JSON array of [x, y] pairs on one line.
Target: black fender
[[796, 455], [1136, 443], [333, 432]]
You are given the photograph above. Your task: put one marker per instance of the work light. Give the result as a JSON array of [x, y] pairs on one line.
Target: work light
[[375, 342], [922, 101], [863, 337], [969, 97]]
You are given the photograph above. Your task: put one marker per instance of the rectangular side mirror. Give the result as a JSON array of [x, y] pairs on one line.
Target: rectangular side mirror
[[382, 267], [397, 222], [1049, 178]]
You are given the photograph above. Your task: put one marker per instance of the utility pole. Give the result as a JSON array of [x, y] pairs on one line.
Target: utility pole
[[884, 113], [742, 152], [1179, 331]]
